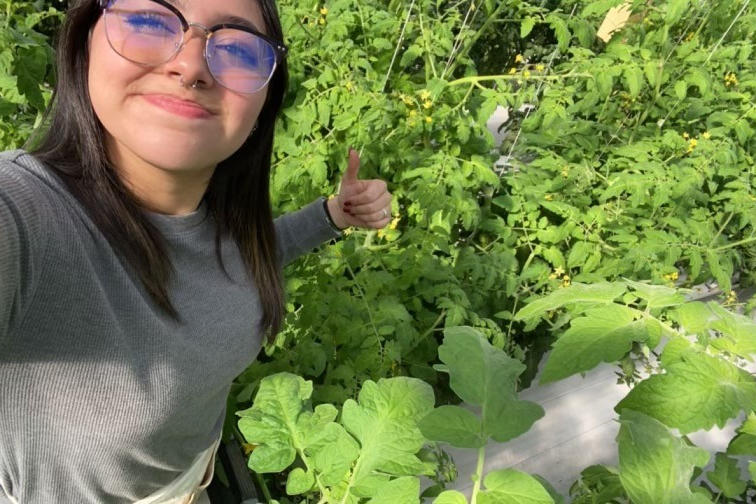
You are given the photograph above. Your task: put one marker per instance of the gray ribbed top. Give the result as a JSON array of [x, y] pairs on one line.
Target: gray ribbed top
[[103, 399]]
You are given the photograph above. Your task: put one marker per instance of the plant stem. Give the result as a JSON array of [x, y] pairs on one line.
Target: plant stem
[[478, 474]]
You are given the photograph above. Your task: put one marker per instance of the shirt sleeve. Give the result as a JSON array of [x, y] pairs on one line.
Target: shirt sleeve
[[20, 236], [301, 231]]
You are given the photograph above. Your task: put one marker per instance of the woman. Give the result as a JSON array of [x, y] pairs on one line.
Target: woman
[[140, 267]]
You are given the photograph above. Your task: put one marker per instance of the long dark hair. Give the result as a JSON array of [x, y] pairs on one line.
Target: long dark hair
[[73, 144]]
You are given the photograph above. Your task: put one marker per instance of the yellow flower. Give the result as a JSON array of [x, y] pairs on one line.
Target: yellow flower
[[685, 136], [731, 79], [566, 281], [321, 21], [324, 11], [512, 71], [425, 95], [519, 58], [706, 135], [549, 197], [427, 104], [693, 142], [559, 271], [348, 231], [526, 74], [412, 113], [394, 223], [540, 67], [428, 119]]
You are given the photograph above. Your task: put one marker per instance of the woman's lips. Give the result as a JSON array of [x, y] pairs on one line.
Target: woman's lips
[[178, 106]]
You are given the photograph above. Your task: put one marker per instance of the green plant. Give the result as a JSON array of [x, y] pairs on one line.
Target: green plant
[[694, 354], [26, 60]]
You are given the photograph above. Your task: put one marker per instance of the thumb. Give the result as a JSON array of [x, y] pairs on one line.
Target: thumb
[[353, 168]]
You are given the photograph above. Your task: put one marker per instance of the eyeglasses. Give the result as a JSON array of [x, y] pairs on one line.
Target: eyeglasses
[[152, 32]]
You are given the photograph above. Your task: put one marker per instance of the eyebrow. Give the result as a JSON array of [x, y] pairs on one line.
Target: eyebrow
[[181, 5]]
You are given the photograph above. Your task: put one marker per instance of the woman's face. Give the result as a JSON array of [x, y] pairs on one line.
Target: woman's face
[[152, 121]]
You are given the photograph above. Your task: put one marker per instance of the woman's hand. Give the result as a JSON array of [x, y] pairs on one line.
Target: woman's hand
[[360, 203]]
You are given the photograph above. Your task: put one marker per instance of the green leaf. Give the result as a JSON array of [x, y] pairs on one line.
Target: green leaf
[[675, 11], [271, 423], [603, 334], [384, 422], [507, 486], [654, 465], [405, 489], [726, 476], [453, 425], [744, 443], [657, 296], [693, 317], [738, 332], [697, 392], [299, 481], [485, 376], [681, 89], [600, 293], [332, 451], [527, 26], [450, 497], [752, 470]]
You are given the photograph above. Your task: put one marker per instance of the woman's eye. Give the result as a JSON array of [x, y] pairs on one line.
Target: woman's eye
[[241, 54], [147, 21]]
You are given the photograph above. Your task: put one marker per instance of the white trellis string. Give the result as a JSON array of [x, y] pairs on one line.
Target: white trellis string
[[538, 91], [458, 41], [727, 31], [398, 45]]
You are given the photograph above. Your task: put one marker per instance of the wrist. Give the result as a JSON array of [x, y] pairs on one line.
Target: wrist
[[335, 215]]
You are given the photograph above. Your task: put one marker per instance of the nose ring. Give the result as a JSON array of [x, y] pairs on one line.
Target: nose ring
[[183, 84]]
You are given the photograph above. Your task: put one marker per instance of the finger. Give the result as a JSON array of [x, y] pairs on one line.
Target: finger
[[371, 190], [353, 168], [373, 208]]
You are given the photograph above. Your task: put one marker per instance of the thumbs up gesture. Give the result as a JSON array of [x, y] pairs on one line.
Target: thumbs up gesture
[[360, 203]]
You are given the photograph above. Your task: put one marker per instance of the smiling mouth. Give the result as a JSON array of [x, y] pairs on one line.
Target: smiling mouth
[[179, 107]]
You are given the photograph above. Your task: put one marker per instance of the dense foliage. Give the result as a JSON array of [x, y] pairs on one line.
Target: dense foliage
[[631, 158]]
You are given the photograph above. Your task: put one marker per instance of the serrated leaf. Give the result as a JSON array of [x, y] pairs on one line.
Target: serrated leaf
[[657, 296], [405, 489], [604, 481], [654, 465], [598, 293], [271, 422], [453, 425], [604, 334], [332, 451], [507, 486], [726, 476], [738, 332], [482, 375], [675, 11], [697, 392], [384, 422], [299, 481], [450, 497], [693, 317]]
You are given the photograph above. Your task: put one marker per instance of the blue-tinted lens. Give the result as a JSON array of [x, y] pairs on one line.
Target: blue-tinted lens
[[142, 31], [240, 60]]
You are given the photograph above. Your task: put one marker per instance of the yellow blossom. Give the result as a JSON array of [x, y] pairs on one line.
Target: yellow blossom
[[559, 271], [427, 104], [321, 21], [693, 142], [540, 67], [394, 223], [412, 113], [425, 95], [519, 58], [348, 231], [428, 119], [706, 135], [324, 11], [553, 276], [685, 136], [526, 74], [549, 197], [731, 79], [512, 71], [566, 281]]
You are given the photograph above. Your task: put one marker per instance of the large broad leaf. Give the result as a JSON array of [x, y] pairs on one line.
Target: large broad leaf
[[697, 392], [484, 376], [404, 490], [507, 486], [600, 293], [655, 466], [384, 422], [331, 451], [271, 423], [450, 497], [602, 335], [726, 476], [455, 426], [744, 443], [738, 333], [657, 296]]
